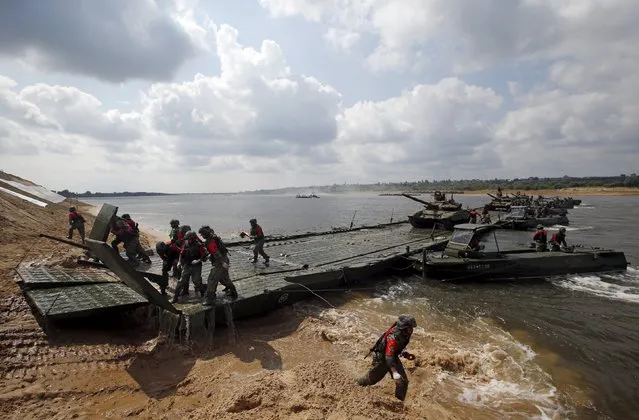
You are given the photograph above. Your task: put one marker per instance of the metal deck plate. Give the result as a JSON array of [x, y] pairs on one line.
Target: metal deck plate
[[128, 275], [327, 256], [61, 302], [40, 276], [101, 226]]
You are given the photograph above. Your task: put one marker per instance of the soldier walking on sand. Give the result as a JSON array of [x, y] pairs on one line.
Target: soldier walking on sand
[[386, 352], [257, 234], [220, 261], [76, 221]]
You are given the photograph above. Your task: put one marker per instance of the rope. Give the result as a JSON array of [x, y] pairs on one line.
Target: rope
[[327, 302]]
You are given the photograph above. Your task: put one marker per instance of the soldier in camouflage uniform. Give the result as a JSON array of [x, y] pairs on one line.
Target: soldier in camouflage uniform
[[386, 352], [191, 258], [257, 234], [220, 261]]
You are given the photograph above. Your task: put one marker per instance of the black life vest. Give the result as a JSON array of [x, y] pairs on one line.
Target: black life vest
[[221, 246], [380, 344]]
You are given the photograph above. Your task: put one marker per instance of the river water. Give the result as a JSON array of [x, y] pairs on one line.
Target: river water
[[567, 346]]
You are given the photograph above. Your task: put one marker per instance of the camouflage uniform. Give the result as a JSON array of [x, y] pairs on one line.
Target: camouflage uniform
[[218, 274], [76, 221], [123, 233], [258, 234], [386, 354], [541, 239], [191, 260]]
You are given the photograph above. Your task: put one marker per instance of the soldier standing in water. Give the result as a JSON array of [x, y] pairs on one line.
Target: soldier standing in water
[[386, 352]]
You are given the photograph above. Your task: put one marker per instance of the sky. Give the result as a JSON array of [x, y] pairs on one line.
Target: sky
[[221, 96]]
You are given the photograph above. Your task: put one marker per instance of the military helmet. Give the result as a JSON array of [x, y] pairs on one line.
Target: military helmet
[[161, 247], [562, 229], [540, 226], [174, 222], [185, 228], [190, 235], [126, 216], [71, 208], [253, 221], [206, 230], [406, 321]]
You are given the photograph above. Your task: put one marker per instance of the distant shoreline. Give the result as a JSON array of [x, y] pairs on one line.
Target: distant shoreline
[[562, 192]]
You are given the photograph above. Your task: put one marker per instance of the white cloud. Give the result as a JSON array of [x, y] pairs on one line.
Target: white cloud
[[476, 34], [258, 124], [446, 124], [115, 41], [255, 106], [342, 39]]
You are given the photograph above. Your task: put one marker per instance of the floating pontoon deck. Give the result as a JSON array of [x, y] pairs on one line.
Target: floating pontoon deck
[[299, 266]]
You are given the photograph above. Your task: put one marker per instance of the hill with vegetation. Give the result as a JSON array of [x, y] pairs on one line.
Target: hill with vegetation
[[89, 194]]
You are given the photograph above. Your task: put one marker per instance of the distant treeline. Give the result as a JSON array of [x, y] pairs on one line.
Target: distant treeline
[[522, 184], [89, 194]]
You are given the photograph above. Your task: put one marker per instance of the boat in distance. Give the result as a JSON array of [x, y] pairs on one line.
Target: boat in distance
[[465, 259]]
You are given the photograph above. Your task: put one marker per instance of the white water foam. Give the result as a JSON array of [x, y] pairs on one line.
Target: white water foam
[[510, 376], [622, 286], [570, 228], [507, 373]]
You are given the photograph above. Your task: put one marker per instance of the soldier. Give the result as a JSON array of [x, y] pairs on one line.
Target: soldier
[[220, 261], [124, 233], [257, 234], [386, 352], [541, 238], [191, 257], [176, 236], [485, 216], [76, 221], [473, 216], [558, 240], [135, 230]]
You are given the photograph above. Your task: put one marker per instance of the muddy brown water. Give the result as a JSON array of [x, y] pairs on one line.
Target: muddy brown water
[[566, 346]]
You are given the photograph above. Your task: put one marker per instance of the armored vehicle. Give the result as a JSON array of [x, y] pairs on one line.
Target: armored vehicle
[[473, 253]]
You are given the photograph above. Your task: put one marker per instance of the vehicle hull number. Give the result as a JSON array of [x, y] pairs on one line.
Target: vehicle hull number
[[478, 267]]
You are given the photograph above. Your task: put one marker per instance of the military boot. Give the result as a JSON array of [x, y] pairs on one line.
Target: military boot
[[231, 292], [209, 301]]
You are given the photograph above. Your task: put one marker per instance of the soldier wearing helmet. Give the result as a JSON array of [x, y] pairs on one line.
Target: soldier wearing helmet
[[386, 352], [558, 240], [131, 239], [173, 248], [220, 261], [175, 228], [76, 221], [192, 255], [541, 239], [257, 235]]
